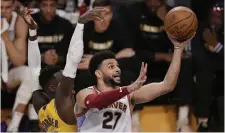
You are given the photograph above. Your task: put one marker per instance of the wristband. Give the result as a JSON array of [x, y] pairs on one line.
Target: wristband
[[32, 32], [218, 47], [177, 47]]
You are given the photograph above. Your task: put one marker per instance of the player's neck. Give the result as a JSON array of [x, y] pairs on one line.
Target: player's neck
[[103, 87]]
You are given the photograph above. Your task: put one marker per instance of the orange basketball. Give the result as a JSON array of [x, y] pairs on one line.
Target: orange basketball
[[180, 23]]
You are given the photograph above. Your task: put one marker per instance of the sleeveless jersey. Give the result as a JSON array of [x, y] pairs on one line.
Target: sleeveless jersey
[[114, 118], [50, 120]]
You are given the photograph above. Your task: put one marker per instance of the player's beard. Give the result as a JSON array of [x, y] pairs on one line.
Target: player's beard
[[111, 82]]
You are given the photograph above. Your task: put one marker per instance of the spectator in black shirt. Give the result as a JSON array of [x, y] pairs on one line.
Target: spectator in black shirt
[[114, 38], [107, 35], [100, 36], [206, 64], [213, 37], [54, 33], [145, 22]]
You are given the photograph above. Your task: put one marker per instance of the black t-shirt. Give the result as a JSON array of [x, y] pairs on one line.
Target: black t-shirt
[[113, 39], [55, 35], [151, 32], [147, 30]]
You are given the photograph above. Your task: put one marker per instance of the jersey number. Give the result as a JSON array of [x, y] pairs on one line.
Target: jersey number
[[109, 117]]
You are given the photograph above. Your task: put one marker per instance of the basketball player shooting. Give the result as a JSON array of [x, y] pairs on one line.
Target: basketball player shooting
[[55, 102], [107, 107]]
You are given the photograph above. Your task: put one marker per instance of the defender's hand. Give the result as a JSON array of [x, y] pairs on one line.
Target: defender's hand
[[94, 14], [26, 14], [141, 79]]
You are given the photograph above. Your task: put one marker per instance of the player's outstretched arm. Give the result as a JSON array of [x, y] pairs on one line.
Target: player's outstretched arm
[[34, 55], [75, 52], [87, 98], [39, 99], [63, 98], [150, 91]]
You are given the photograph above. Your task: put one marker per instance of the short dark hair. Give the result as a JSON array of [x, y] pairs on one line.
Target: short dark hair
[[97, 60], [47, 73], [102, 3]]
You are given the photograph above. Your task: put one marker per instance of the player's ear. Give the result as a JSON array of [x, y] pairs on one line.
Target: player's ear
[[98, 74]]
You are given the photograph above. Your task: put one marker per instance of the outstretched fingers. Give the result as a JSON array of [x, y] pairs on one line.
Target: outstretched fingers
[[143, 71]]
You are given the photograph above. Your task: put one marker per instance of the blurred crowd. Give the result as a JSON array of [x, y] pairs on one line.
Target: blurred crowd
[[134, 31]]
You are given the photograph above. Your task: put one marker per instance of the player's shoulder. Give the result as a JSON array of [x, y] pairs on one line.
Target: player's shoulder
[[85, 91], [43, 108], [42, 111], [48, 106], [89, 89], [39, 99]]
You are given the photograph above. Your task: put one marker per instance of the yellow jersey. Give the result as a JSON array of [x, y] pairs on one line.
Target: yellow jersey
[[50, 120]]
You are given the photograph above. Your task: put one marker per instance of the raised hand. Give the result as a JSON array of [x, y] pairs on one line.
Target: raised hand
[[26, 14], [180, 44], [210, 40], [140, 80], [94, 14]]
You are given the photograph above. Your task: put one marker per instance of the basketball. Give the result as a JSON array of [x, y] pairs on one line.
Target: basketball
[[180, 23]]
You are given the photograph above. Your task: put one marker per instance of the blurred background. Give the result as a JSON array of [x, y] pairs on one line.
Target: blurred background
[[134, 31]]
